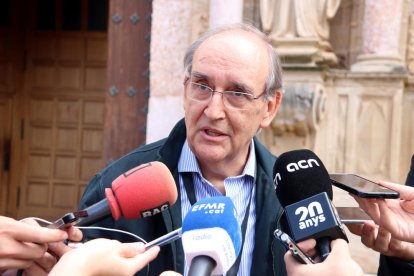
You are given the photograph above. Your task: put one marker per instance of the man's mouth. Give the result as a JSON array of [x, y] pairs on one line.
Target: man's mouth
[[212, 133]]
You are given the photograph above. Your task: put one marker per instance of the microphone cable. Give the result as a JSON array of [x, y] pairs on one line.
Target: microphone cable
[[75, 245]]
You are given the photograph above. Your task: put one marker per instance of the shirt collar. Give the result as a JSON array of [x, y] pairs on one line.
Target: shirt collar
[[188, 161]]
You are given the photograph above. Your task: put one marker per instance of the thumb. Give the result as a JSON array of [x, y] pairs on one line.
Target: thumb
[[290, 260], [339, 247], [130, 250], [408, 206], [142, 259], [406, 192]]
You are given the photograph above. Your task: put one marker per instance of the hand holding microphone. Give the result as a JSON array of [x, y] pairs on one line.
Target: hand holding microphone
[[143, 191], [304, 189], [105, 257], [339, 261], [25, 245]]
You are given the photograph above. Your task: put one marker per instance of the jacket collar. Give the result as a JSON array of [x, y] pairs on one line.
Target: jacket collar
[[265, 197]]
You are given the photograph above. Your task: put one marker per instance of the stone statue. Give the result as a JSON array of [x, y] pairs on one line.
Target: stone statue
[[298, 18]]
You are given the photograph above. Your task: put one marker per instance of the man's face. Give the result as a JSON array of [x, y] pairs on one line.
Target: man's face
[[230, 61]]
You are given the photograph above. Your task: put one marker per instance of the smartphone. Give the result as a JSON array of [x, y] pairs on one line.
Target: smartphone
[[352, 215], [67, 220], [361, 187], [290, 244]]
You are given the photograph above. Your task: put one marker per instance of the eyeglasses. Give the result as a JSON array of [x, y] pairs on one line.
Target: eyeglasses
[[231, 99]]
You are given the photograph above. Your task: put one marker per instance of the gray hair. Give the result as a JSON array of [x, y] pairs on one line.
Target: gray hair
[[274, 79]]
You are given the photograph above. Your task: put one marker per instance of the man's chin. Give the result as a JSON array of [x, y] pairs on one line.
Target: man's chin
[[209, 154]]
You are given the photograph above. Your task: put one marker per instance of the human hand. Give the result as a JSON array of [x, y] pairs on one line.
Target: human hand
[[105, 257], [380, 240], [339, 263], [55, 250], [394, 215], [23, 243]]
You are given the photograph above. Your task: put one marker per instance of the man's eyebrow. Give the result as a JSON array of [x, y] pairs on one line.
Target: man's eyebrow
[[236, 84], [243, 87], [199, 75]]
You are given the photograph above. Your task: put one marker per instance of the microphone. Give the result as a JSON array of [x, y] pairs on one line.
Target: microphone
[[211, 236], [304, 189], [143, 191]]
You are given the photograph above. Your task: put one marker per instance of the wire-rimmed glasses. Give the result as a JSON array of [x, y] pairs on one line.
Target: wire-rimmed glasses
[[231, 99]]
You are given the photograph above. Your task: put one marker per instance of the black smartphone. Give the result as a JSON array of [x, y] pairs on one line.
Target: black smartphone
[[352, 215], [290, 244], [361, 187], [68, 220]]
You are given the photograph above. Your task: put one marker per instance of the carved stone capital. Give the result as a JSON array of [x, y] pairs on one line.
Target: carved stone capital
[[304, 52]]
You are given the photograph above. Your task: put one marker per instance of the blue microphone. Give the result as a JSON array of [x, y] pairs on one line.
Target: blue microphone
[[211, 236]]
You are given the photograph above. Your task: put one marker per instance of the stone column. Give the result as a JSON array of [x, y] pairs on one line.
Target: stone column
[[381, 37], [169, 31], [225, 12]]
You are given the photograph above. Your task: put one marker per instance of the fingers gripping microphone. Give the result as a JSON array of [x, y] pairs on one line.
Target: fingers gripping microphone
[[304, 189], [143, 191], [211, 236]]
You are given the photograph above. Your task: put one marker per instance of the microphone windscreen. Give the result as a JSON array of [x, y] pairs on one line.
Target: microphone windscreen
[[300, 174], [145, 190], [211, 229]]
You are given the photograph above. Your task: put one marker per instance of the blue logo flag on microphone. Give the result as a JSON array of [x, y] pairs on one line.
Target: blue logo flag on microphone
[[211, 229], [311, 217]]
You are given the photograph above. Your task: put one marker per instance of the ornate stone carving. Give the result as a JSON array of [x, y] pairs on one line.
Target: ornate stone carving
[[300, 30], [302, 109]]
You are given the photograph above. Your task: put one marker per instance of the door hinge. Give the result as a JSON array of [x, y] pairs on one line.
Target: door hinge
[[6, 156]]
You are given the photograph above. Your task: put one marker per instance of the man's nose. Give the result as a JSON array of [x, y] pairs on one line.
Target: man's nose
[[215, 107]]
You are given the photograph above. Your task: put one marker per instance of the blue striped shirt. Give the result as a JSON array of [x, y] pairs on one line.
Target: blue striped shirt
[[238, 188]]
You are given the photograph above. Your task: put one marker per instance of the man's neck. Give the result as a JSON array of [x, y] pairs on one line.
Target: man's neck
[[216, 173]]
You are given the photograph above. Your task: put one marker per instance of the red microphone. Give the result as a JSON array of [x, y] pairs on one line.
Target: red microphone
[[143, 191]]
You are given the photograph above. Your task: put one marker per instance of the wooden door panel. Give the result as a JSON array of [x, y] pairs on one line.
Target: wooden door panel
[[64, 123], [65, 138]]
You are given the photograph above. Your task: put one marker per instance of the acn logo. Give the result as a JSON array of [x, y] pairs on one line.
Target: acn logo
[[302, 164], [311, 215]]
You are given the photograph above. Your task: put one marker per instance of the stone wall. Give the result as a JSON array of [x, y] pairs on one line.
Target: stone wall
[[357, 115]]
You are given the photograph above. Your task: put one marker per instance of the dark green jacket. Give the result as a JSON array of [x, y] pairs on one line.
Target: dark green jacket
[[267, 257]]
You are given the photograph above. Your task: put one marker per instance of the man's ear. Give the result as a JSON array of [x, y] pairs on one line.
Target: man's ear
[[185, 82], [272, 107]]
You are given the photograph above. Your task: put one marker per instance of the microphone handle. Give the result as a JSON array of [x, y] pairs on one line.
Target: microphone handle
[[324, 246], [97, 211], [166, 239], [202, 266]]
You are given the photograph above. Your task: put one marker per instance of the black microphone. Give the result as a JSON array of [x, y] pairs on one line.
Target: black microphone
[[304, 189]]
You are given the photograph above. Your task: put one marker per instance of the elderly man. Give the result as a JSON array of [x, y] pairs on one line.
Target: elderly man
[[232, 89]]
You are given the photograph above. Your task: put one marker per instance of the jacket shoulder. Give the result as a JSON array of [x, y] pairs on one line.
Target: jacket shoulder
[[94, 191]]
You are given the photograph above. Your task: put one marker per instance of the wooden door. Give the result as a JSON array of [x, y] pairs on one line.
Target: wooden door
[[63, 104], [10, 85], [5, 150]]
